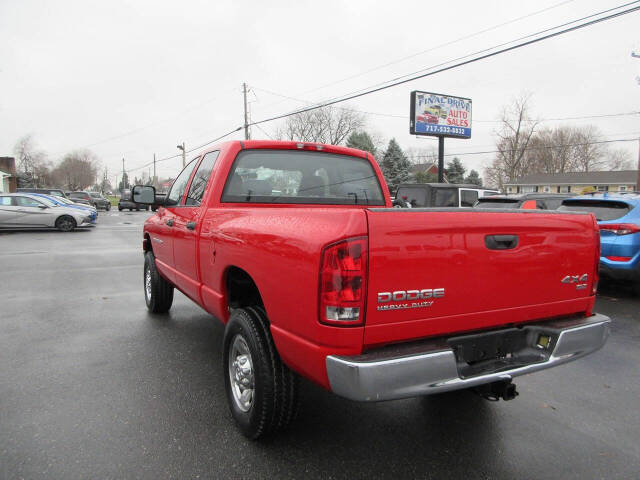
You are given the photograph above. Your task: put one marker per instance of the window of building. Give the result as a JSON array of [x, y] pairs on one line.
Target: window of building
[[546, 189], [528, 189], [564, 189], [509, 189], [603, 188], [622, 188]]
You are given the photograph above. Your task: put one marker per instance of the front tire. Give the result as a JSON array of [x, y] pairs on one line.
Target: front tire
[[108, 207], [66, 223], [158, 292], [261, 391]]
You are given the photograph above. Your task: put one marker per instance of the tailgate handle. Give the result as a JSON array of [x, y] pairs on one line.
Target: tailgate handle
[[501, 242]]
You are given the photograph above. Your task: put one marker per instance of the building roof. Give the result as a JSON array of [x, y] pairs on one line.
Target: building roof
[[579, 178], [423, 167]]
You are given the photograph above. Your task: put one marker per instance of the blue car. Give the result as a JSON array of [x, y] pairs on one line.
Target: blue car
[[618, 217], [63, 202]]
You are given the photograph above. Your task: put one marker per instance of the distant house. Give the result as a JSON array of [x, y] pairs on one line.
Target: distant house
[[575, 182], [429, 168], [8, 175]]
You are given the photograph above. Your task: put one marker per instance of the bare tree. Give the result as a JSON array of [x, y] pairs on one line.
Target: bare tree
[[619, 159], [322, 125], [517, 128], [34, 168], [77, 170]]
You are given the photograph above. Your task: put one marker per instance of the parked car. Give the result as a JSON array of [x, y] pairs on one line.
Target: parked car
[[80, 197], [618, 216], [27, 211], [63, 202], [543, 201], [47, 191], [99, 201], [327, 281], [424, 195], [126, 201]]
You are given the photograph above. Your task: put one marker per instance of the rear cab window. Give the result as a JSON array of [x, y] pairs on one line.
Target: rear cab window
[[602, 209], [301, 177]]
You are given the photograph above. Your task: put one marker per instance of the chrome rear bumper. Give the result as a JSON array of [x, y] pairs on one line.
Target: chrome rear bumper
[[436, 366]]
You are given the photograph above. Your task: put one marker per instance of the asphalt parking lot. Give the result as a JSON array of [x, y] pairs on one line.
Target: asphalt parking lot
[[92, 386]]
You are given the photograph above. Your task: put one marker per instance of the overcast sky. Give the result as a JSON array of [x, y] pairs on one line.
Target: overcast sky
[[130, 78]]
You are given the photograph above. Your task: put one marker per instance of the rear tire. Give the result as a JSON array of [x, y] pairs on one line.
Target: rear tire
[[108, 208], [66, 223], [158, 292], [261, 390]]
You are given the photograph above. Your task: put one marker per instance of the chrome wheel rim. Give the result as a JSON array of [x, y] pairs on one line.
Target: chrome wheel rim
[[66, 224], [241, 373], [147, 283]]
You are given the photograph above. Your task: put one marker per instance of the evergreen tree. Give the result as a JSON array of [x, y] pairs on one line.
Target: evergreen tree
[[124, 183], [361, 141], [395, 165], [455, 171], [473, 178]]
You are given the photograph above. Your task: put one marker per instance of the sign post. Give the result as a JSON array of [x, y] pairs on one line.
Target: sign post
[[440, 116]]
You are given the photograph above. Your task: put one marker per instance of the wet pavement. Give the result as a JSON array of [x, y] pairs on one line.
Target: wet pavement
[[92, 386]]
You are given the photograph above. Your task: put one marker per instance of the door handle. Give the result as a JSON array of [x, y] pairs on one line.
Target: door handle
[[501, 242], [169, 222], [191, 225]]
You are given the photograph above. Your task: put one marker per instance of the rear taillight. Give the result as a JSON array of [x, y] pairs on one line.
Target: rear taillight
[[619, 259], [343, 278], [620, 228]]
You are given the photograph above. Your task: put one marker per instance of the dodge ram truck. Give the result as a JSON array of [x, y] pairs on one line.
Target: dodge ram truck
[[297, 249]]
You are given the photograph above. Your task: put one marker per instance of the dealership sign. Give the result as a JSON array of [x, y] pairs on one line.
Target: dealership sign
[[440, 115]]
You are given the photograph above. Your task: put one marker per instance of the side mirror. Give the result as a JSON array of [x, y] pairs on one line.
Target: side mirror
[[144, 194], [529, 205]]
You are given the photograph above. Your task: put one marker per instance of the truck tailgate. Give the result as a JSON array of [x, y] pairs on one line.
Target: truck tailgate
[[439, 271]]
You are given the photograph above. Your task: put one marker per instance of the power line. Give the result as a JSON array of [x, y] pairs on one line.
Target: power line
[[396, 82], [460, 154], [407, 117], [466, 62], [446, 44]]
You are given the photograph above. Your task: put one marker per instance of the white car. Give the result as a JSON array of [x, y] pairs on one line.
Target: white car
[[25, 211]]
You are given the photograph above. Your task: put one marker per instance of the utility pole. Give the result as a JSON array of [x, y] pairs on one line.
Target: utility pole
[[184, 153], [246, 113], [636, 55], [440, 159], [154, 169]]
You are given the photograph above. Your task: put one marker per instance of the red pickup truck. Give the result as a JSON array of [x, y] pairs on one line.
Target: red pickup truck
[[295, 247]]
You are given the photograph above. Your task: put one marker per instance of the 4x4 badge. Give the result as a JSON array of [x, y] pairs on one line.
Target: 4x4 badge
[[578, 280]]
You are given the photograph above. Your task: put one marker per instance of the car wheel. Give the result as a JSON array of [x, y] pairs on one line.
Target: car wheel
[[108, 207], [65, 223], [119, 208], [262, 392], [137, 209], [158, 292]]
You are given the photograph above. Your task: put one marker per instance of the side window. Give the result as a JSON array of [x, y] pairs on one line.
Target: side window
[[200, 179], [180, 184], [468, 198], [27, 202], [5, 201]]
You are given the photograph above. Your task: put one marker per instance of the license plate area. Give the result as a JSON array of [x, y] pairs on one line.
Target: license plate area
[[492, 352]]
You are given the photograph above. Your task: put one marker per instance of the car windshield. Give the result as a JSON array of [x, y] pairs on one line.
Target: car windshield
[[602, 209], [497, 203], [95, 195], [299, 177]]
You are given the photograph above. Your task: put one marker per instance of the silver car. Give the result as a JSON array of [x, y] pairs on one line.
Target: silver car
[[25, 211]]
